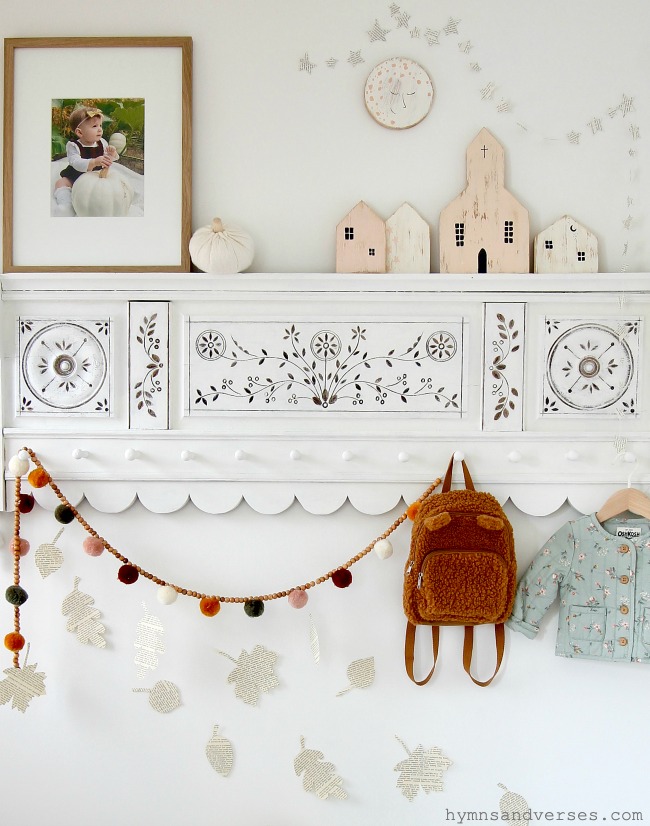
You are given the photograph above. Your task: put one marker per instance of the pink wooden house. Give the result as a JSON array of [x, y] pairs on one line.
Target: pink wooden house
[[361, 241]]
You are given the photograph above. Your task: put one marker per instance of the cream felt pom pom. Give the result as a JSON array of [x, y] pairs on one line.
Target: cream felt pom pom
[[166, 594], [18, 466], [383, 548]]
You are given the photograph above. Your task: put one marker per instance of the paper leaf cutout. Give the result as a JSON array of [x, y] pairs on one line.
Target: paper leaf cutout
[[83, 618], [319, 778], [48, 557], [21, 686], [361, 674], [219, 752], [254, 673], [422, 768], [163, 697], [512, 804], [314, 642], [149, 643]]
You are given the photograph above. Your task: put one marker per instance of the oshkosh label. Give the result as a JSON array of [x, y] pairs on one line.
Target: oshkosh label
[[629, 533]]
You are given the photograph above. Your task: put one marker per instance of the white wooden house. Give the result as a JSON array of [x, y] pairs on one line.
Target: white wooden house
[[361, 241], [408, 241], [565, 246], [484, 229]]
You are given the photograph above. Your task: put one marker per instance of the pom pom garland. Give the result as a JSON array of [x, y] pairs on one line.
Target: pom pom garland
[[128, 574], [384, 548], [14, 641], [18, 467], [64, 514], [26, 503], [15, 595], [38, 478], [254, 607], [167, 595], [342, 578], [93, 546], [298, 598], [210, 606]]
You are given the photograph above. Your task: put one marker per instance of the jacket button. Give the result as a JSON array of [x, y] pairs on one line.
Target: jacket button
[[624, 609], [622, 641], [624, 579], [623, 549]]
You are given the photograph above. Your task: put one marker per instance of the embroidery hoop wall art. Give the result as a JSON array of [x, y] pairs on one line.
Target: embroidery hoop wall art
[[40, 73]]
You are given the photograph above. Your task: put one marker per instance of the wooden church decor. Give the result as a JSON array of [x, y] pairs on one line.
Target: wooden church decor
[[566, 246], [408, 242], [361, 241], [485, 229]]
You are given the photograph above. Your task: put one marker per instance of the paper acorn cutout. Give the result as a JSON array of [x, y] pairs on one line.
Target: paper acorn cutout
[[219, 752]]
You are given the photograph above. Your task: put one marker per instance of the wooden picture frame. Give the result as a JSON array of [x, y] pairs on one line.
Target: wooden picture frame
[[43, 74]]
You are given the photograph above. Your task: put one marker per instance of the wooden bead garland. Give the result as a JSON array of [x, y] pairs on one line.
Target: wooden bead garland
[[209, 604]]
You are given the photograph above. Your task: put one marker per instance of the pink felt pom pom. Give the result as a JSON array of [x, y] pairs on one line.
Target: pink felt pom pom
[[93, 546], [24, 547], [297, 598]]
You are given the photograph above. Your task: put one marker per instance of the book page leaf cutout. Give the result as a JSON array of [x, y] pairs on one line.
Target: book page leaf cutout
[[423, 768], [253, 674], [361, 674], [319, 778], [219, 752], [163, 697], [149, 643], [314, 642], [82, 617], [48, 557], [512, 804], [22, 685]]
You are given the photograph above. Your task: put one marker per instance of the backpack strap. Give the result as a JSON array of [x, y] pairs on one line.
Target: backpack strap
[[468, 648], [446, 485], [409, 651]]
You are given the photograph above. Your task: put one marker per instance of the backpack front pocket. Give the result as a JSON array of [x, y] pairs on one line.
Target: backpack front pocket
[[464, 587]]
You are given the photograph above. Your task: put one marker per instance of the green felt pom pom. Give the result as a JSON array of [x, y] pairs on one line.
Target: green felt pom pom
[[16, 595], [254, 607], [64, 514]]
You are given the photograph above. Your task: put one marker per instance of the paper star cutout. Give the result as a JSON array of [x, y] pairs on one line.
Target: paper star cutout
[[627, 223], [432, 36], [596, 125], [504, 106], [402, 20], [355, 58], [331, 63], [415, 33], [306, 65], [465, 47], [394, 9], [626, 105], [634, 131], [574, 137], [475, 67], [452, 26], [488, 91], [377, 32]]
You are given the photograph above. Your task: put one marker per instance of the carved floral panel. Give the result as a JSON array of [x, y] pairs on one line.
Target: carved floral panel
[[503, 369], [64, 367], [325, 367], [149, 365], [591, 366]]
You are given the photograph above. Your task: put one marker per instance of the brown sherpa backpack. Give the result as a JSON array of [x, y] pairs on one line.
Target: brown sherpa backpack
[[461, 569]]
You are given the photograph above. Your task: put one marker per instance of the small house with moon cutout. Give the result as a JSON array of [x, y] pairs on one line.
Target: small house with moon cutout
[[565, 246], [361, 241], [408, 241], [485, 229]]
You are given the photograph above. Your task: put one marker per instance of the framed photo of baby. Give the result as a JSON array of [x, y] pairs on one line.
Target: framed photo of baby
[[97, 154]]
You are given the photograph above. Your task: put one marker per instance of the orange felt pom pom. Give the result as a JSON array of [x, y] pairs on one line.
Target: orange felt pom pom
[[14, 641], [413, 509], [210, 606], [38, 478]]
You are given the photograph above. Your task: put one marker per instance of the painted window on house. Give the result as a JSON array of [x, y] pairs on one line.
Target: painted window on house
[[371, 251], [582, 256], [548, 245], [349, 233], [460, 235], [509, 232]]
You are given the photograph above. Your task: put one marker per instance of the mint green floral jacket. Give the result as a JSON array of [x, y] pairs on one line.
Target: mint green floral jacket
[[602, 576]]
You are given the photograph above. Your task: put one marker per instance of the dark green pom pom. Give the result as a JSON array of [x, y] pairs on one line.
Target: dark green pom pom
[[254, 607], [16, 595], [64, 514]]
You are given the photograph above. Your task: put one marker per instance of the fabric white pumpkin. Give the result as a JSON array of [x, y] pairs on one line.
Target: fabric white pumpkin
[[118, 141], [221, 249], [101, 195]]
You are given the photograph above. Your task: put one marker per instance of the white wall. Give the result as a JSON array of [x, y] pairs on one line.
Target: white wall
[[286, 154]]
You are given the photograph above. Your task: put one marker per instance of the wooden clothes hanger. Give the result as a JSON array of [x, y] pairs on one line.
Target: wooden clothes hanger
[[627, 499]]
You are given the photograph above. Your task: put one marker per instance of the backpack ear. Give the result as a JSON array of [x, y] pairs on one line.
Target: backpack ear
[[489, 523], [434, 523]]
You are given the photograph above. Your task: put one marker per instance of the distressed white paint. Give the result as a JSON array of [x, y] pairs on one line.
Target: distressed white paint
[[361, 241], [408, 242], [565, 246]]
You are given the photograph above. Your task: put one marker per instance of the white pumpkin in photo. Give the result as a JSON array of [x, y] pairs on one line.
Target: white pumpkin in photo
[[221, 249], [118, 141], [101, 195]]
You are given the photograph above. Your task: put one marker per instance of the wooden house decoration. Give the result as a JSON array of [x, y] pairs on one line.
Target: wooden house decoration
[[408, 242], [361, 241], [565, 246], [485, 229]]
